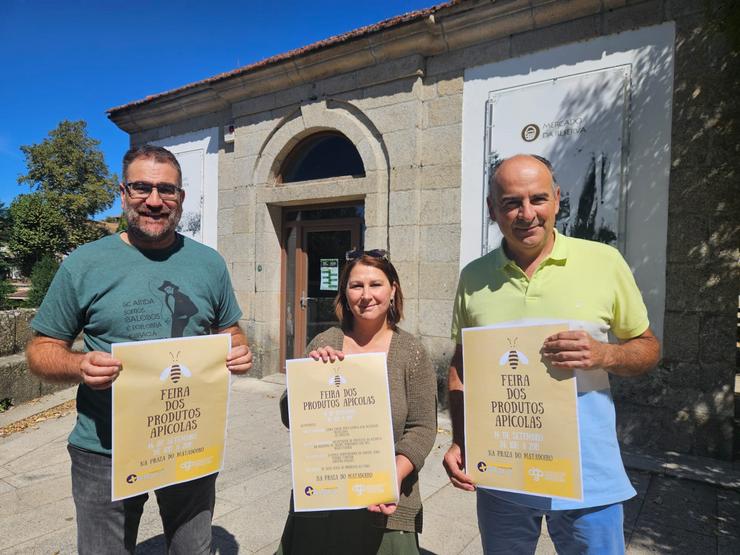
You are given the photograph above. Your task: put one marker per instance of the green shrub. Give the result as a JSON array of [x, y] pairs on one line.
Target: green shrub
[[6, 289], [41, 276], [122, 224]]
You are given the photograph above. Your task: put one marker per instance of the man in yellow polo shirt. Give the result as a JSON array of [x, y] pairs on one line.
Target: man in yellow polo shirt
[[539, 274]]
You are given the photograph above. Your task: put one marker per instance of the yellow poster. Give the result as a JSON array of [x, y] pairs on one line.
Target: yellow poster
[[521, 417], [169, 410], [341, 438]]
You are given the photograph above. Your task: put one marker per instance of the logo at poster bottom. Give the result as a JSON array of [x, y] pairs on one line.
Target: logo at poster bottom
[[530, 132], [495, 468], [537, 474], [144, 475], [311, 491], [363, 489], [189, 465]]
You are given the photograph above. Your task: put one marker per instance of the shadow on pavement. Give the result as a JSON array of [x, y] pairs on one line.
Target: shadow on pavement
[[224, 543]]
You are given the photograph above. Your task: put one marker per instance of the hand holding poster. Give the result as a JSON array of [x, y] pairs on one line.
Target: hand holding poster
[[169, 412], [521, 419], [341, 438]]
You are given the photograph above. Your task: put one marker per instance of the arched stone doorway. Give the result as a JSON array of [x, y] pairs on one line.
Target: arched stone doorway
[[321, 182], [316, 238]]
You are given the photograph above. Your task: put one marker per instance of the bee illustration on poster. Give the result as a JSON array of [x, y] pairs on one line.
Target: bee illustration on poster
[[337, 380], [513, 357], [176, 370]]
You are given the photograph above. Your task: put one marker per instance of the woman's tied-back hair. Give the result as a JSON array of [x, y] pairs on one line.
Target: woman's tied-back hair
[[341, 306]]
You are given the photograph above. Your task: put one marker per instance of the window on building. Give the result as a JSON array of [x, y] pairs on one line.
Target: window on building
[[321, 156]]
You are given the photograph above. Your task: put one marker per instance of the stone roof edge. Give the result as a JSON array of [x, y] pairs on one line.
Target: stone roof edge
[[319, 45], [440, 28]]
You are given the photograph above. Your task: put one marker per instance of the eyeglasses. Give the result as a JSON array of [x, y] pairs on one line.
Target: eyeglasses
[[142, 189], [374, 253]]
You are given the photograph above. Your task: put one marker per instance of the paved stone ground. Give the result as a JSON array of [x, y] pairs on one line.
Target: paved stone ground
[[669, 515]]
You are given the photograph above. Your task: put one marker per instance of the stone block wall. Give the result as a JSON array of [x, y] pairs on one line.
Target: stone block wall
[[16, 383], [439, 214], [687, 404], [15, 330]]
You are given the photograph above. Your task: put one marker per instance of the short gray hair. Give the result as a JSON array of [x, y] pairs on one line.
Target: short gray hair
[[160, 154], [497, 164]]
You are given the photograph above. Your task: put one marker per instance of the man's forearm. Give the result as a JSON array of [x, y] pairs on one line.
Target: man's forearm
[[457, 416], [578, 350], [633, 357], [455, 394], [238, 337], [53, 360], [239, 359]]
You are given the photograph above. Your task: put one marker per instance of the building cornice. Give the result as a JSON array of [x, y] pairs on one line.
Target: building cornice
[[429, 32]]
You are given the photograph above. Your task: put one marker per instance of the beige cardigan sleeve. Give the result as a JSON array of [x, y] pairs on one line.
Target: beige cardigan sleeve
[[420, 388]]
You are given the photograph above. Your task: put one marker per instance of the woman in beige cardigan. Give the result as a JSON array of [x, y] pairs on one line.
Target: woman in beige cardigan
[[369, 306]]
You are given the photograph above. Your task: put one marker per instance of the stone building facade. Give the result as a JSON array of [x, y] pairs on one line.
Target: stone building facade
[[395, 91]]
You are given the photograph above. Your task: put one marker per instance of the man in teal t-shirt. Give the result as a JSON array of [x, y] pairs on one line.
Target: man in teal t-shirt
[[535, 275], [149, 282]]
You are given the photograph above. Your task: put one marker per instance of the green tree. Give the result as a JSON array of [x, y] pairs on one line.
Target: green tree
[[5, 258], [69, 183], [40, 229], [6, 289], [41, 276], [122, 223], [4, 223]]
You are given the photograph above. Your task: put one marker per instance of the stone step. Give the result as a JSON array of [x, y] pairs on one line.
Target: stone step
[[15, 330], [18, 384]]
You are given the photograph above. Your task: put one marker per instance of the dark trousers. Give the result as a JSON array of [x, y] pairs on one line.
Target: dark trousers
[[111, 527]]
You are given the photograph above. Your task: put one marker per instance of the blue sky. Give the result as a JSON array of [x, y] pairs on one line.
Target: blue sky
[[74, 59]]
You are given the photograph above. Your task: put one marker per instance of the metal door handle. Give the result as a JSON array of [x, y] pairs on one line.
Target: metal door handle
[[303, 300]]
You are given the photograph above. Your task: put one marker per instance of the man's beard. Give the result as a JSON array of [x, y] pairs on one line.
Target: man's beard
[[149, 236]]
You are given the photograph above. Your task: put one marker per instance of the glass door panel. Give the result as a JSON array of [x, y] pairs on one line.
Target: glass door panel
[[325, 253], [315, 242]]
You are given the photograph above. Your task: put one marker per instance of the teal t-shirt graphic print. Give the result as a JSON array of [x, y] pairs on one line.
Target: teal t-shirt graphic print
[[114, 292]]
